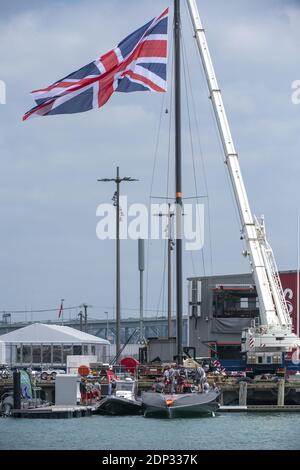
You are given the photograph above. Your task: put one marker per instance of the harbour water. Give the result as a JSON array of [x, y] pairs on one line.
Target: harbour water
[[274, 431]]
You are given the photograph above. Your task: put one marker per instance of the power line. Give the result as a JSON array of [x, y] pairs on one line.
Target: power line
[[38, 311]]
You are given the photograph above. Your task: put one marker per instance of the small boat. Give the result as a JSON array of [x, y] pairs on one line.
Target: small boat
[[186, 405], [123, 402]]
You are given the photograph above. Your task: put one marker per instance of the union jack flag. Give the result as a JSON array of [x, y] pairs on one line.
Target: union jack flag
[[138, 63]]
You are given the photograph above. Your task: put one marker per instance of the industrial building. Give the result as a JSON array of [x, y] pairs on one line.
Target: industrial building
[[41, 344], [221, 306]]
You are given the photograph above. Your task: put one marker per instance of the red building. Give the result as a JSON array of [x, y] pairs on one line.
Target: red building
[[289, 284]]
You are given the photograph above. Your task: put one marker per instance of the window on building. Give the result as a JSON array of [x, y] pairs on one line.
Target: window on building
[[19, 355], [27, 357], [85, 350], [46, 354], [57, 354], [234, 303], [77, 350], [37, 354], [67, 351], [93, 350]]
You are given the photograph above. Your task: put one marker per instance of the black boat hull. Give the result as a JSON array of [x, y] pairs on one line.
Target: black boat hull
[[116, 406], [189, 405]]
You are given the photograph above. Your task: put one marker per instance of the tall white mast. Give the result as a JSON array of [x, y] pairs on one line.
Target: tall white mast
[[273, 309]]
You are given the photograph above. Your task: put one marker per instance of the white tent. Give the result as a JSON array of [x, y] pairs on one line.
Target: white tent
[[40, 344], [2, 353]]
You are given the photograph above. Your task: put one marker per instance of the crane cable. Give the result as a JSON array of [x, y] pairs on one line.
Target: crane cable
[[216, 130], [186, 76]]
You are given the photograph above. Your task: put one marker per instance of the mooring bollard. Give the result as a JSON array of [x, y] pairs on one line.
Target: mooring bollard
[[243, 394], [280, 396]]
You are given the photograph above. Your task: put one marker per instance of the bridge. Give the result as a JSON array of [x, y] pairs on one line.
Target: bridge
[[153, 327]]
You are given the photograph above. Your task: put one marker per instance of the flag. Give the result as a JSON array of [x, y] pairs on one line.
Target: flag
[[138, 63], [61, 309]]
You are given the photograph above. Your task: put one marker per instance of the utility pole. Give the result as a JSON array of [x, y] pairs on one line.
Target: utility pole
[[61, 311], [116, 200], [106, 336], [83, 315], [170, 215], [85, 308], [170, 249], [80, 314]]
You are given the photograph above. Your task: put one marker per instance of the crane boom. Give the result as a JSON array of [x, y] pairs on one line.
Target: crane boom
[[274, 316]]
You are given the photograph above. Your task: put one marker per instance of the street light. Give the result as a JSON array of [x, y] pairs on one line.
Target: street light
[[116, 199]]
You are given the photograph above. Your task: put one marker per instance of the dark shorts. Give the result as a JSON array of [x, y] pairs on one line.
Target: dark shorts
[[199, 381]]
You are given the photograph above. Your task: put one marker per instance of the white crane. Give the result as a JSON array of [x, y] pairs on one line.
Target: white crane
[[274, 331]]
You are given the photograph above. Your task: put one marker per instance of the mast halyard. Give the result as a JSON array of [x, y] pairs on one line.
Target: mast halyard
[[178, 176]]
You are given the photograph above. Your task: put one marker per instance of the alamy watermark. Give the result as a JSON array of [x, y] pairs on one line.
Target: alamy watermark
[[2, 92], [139, 221], [296, 92]]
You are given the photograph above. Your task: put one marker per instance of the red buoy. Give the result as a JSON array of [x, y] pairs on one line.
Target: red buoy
[[83, 370]]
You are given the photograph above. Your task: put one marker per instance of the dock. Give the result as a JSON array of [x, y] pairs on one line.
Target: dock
[[55, 412], [260, 408]]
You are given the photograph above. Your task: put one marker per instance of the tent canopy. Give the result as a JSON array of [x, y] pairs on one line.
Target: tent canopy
[[44, 333]]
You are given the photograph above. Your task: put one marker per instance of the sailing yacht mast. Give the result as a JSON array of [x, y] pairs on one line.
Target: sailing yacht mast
[[178, 176]]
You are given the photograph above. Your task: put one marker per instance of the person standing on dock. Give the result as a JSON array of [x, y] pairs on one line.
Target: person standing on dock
[[83, 391], [97, 390]]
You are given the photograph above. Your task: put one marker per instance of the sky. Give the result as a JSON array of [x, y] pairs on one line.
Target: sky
[[49, 166]]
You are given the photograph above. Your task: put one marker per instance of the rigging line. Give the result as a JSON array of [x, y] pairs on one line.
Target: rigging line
[[231, 191], [170, 131], [161, 289], [151, 189], [201, 148], [170, 109], [164, 276], [185, 68], [170, 53], [216, 130]]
